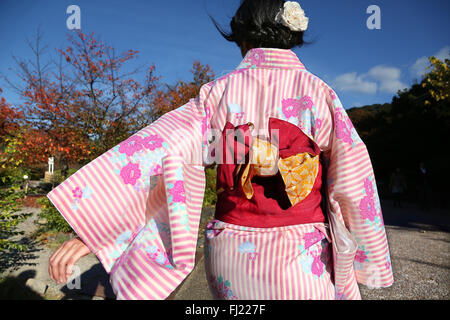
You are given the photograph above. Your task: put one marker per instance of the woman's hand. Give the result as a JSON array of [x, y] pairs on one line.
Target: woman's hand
[[62, 261]]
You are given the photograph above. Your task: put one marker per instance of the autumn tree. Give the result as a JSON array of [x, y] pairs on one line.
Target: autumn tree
[[9, 119], [437, 82], [82, 103], [10, 125], [174, 96]]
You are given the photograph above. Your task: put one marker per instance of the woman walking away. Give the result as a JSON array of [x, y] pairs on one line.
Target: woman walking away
[[298, 214]]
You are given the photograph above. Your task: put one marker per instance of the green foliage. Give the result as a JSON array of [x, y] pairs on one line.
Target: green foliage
[[55, 221], [71, 171], [10, 218], [438, 80], [12, 175], [210, 197]]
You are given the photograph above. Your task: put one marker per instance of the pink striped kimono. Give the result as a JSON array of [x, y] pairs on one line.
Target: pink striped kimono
[[138, 206]]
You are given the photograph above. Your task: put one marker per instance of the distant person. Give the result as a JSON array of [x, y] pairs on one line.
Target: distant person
[[424, 187], [397, 185]]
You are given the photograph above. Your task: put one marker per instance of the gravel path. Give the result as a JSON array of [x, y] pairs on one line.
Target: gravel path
[[419, 247], [421, 264], [27, 272]]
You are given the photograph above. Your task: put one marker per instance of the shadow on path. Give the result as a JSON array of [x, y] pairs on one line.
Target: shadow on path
[[14, 288], [410, 216], [93, 283], [12, 260]]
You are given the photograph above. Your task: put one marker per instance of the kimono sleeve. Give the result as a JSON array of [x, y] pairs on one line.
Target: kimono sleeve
[[353, 196], [138, 205]]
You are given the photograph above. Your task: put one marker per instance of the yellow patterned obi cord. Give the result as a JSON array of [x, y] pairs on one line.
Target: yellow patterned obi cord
[[299, 171]]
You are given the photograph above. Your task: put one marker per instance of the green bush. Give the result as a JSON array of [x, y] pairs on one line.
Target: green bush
[[210, 198], [10, 218], [71, 171], [55, 221], [13, 175]]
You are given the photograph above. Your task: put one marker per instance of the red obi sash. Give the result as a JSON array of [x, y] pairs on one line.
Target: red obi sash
[[269, 205]]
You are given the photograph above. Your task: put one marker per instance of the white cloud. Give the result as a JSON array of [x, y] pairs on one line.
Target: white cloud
[[419, 68], [379, 78], [388, 78], [352, 82]]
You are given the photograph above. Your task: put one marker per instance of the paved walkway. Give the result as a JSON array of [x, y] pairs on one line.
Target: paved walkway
[[419, 244]]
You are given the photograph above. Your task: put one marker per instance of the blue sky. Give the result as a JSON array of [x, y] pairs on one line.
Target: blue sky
[[364, 66]]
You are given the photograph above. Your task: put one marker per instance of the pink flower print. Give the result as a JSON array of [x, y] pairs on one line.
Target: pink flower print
[[367, 204], [152, 142], [157, 169], [360, 256], [317, 266], [387, 265], [367, 208], [130, 173], [343, 132], [77, 193], [205, 123], [318, 124], [312, 238], [205, 126], [290, 107], [178, 192], [257, 57], [131, 145], [332, 95], [240, 115], [305, 102], [368, 186]]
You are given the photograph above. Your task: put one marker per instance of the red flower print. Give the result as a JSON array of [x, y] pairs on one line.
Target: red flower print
[[131, 145], [360, 256], [130, 173], [77, 193], [152, 142]]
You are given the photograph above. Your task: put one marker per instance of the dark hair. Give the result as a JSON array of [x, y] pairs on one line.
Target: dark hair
[[254, 23]]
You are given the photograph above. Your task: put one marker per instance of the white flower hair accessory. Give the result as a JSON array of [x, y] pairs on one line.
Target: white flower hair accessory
[[293, 16]]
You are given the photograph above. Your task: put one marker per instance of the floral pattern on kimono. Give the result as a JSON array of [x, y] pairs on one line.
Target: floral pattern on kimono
[[248, 248], [79, 194], [161, 257], [133, 163], [122, 242], [253, 60], [315, 253], [344, 128], [369, 205], [361, 257], [301, 111], [222, 288]]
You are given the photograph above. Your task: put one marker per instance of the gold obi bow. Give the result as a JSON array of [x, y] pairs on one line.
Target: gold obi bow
[[299, 171]]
